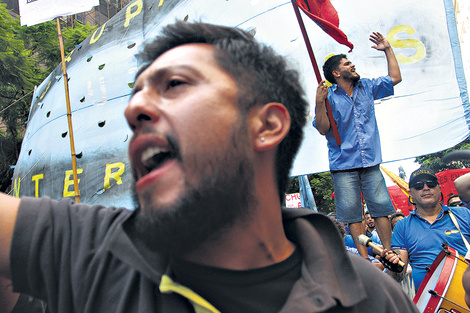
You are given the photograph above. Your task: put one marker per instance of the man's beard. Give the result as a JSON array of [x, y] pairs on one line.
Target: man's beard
[[223, 195], [355, 79], [348, 76]]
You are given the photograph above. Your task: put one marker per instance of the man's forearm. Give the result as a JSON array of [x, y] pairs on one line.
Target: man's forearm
[[393, 67], [462, 184], [8, 212], [321, 118]]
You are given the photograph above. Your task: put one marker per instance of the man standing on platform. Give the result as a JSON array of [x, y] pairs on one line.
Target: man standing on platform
[[354, 164]]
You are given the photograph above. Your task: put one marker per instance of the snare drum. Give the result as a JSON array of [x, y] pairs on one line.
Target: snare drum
[[442, 290]]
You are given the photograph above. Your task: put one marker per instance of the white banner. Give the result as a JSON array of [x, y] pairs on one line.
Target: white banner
[[33, 12], [430, 110], [293, 200]]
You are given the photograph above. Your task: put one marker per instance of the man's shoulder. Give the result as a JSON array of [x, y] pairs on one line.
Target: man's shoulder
[[375, 282], [314, 218], [293, 213], [409, 219], [458, 209], [318, 226], [461, 212], [68, 206], [59, 213], [319, 239], [370, 82]]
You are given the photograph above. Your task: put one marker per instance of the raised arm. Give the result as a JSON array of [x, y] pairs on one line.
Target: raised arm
[[462, 184], [321, 118], [382, 44], [8, 211]]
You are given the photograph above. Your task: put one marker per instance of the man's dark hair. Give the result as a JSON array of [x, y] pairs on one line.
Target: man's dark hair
[[261, 75], [332, 64], [452, 196], [395, 215]]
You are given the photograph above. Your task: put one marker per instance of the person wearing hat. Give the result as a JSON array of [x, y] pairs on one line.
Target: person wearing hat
[[418, 238]]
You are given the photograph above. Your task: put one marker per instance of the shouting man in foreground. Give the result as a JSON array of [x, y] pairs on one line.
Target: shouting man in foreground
[[217, 120]]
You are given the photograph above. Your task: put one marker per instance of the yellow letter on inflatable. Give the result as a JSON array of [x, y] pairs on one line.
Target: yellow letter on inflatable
[[113, 175], [68, 181], [93, 39], [16, 188], [407, 43], [36, 179], [129, 15]]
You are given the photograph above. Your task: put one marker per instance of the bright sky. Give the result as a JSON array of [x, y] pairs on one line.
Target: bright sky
[[408, 165]]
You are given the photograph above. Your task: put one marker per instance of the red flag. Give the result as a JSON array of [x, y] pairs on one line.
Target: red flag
[[324, 15]]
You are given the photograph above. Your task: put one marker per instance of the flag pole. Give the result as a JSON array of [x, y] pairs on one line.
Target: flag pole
[[316, 70], [69, 114]]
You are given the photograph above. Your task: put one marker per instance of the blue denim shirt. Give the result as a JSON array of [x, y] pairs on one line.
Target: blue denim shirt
[[356, 123]]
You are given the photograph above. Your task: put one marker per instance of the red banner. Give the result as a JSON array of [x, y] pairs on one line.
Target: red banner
[[446, 181], [400, 200], [324, 15]]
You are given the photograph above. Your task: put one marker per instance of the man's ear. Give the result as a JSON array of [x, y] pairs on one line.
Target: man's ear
[[269, 124], [336, 74]]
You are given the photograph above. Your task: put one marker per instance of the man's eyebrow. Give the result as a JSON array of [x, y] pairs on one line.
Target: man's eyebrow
[[155, 76], [152, 77]]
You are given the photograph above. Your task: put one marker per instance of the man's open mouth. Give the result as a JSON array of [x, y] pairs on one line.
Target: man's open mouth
[[154, 157]]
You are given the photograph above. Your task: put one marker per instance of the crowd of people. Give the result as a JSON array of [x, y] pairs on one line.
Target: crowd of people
[[217, 119]]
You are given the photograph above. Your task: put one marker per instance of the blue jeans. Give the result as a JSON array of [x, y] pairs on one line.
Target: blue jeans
[[348, 187]]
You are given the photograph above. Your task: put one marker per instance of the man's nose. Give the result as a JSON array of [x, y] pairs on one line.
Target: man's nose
[[141, 108]]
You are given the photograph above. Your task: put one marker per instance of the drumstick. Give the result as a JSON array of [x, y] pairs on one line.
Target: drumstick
[[366, 241], [435, 294]]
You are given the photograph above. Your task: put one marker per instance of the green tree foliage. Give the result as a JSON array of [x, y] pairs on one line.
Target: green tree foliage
[[322, 188], [27, 55], [43, 40], [434, 161], [17, 78]]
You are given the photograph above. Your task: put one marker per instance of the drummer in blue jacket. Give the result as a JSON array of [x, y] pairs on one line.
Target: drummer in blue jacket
[[418, 238]]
